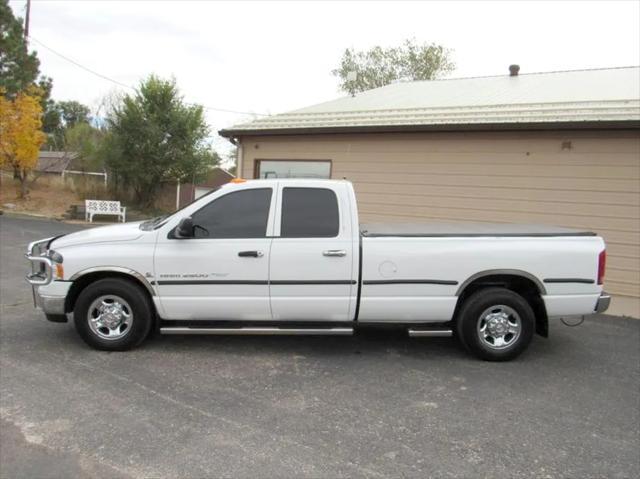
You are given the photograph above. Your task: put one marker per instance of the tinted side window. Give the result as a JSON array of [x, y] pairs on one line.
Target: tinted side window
[[241, 214], [309, 213]]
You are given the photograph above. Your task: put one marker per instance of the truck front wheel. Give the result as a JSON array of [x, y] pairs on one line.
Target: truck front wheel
[[113, 314], [495, 324]]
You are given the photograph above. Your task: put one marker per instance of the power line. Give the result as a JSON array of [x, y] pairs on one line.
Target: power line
[[104, 77]]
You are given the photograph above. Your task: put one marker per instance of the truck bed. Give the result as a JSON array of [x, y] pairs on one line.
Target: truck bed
[[440, 230]]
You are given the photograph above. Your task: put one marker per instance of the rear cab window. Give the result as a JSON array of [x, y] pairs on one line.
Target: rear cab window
[[309, 213]]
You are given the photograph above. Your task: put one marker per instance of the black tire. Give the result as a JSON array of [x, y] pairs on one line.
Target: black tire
[[478, 306], [135, 299]]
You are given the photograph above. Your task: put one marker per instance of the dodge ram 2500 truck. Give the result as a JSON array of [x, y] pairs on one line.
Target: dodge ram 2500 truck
[[289, 256]]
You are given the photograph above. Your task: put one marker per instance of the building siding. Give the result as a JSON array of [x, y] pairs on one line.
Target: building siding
[[586, 180]]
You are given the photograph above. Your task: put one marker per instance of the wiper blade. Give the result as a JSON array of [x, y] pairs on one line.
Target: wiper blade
[[159, 220], [150, 223], [154, 223]]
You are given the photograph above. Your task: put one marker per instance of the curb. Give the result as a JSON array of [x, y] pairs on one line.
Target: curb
[[59, 219], [22, 214]]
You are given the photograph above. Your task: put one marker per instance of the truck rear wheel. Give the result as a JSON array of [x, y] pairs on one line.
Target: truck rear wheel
[[495, 324], [113, 314]]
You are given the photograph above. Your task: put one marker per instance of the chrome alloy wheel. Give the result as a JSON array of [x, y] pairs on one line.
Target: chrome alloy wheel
[[110, 317], [499, 327]]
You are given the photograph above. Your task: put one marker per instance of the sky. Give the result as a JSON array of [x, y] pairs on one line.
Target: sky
[[266, 57]]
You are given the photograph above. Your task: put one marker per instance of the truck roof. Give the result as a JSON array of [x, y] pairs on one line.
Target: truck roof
[[287, 180]]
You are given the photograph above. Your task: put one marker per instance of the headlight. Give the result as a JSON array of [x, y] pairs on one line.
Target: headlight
[[55, 256], [58, 269]]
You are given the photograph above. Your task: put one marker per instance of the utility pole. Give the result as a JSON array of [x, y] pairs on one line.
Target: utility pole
[[26, 21]]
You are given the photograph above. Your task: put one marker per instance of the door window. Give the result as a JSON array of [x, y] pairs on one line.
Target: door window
[[241, 214], [309, 213]]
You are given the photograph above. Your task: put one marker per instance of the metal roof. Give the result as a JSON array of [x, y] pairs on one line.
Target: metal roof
[[54, 161], [581, 98]]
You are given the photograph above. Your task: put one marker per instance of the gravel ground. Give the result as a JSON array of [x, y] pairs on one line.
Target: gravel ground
[[373, 405]]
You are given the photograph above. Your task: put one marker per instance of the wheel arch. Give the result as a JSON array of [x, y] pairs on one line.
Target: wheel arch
[[525, 284], [84, 278]]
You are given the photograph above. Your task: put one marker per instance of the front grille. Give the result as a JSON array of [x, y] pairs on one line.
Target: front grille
[[38, 249]]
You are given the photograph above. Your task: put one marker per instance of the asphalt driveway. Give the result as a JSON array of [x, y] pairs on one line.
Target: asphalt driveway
[[372, 405]]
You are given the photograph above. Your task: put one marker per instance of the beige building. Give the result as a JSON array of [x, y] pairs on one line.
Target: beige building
[[559, 148]]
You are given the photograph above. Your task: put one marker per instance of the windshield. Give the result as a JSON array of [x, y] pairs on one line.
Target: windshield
[[159, 221]]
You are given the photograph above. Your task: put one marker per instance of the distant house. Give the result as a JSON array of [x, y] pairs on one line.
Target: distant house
[[54, 162], [187, 192], [63, 163], [559, 148], [175, 196]]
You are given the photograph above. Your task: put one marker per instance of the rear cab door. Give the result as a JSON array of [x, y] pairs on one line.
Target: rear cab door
[[313, 269]]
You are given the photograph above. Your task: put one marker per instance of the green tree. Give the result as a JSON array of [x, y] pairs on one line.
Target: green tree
[[378, 66], [155, 137], [231, 163], [59, 117], [52, 126], [73, 113], [86, 141], [19, 68]]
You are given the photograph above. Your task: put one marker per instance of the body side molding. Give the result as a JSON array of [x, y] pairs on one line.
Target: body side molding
[[569, 280], [411, 281], [195, 282], [253, 282]]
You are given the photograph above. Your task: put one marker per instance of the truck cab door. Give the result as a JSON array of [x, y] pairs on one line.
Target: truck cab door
[[313, 263], [221, 273]]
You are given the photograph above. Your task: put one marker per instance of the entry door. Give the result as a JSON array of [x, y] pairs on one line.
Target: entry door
[[222, 273], [313, 260]]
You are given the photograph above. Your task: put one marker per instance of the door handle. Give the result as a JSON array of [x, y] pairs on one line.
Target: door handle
[[251, 254], [334, 252]]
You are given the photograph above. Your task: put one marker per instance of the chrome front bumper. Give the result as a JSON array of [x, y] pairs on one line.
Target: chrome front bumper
[[41, 276], [603, 302], [48, 304]]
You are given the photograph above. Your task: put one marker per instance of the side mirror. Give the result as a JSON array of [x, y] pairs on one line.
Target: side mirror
[[185, 228]]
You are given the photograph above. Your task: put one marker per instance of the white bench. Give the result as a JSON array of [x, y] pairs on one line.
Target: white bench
[[103, 207]]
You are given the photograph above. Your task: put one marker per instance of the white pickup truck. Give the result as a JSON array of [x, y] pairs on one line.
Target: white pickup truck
[[290, 257]]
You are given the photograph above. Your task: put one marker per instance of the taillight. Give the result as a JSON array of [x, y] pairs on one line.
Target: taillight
[[602, 261]]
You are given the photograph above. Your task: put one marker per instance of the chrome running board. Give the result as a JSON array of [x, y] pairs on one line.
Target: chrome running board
[[259, 331], [430, 333]]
